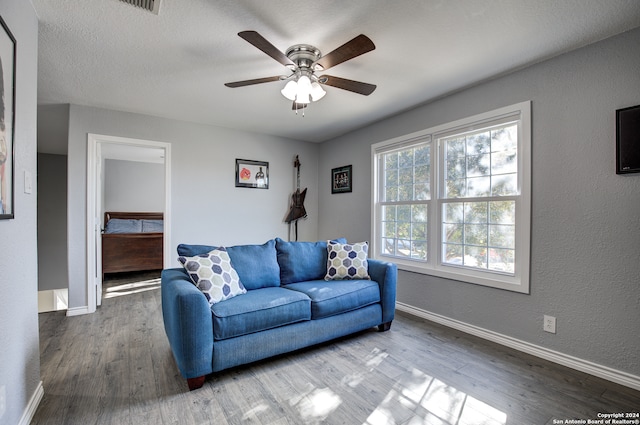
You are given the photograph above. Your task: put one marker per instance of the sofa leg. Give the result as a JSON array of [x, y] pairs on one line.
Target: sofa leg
[[384, 327], [195, 383]]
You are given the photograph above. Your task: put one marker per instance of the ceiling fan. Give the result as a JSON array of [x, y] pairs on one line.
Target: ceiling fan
[[304, 61]]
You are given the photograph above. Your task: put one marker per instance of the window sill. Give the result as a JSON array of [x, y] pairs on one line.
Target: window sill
[[476, 277]]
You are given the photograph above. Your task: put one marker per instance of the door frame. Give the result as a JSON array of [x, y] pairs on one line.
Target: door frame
[[94, 201]]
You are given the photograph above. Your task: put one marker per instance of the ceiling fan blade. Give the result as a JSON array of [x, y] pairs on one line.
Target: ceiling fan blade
[[345, 84], [349, 50], [297, 106], [261, 43], [252, 82]]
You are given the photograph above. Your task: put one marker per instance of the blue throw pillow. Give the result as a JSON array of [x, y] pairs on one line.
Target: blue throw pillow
[[186, 250], [257, 265], [302, 261]]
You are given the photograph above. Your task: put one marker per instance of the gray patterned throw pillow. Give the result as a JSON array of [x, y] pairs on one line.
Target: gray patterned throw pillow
[[214, 275], [347, 261]]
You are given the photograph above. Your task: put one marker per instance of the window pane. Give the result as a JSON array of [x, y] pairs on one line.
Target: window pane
[[453, 233], [476, 234], [407, 176], [455, 188], [476, 212], [502, 260], [455, 147], [475, 256], [502, 212], [505, 138], [454, 212], [404, 248], [506, 184], [504, 162], [419, 250], [479, 234], [479, 143], [478, 186], [502, 236], [482, 164], [453, 254], [479, 165], [456, 168], [391, 193], [405, 158], [388, 246], [423, 155], [391, 177], [421, 192]]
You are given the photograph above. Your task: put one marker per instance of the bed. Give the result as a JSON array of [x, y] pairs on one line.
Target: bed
[[132, 241]]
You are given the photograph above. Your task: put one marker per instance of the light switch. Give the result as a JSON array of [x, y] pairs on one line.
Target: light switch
[[28, 182]]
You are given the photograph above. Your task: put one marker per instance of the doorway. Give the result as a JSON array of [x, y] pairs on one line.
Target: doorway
[[99, 149]]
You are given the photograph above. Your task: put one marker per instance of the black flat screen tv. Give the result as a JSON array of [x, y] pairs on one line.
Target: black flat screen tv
[[628, 140]]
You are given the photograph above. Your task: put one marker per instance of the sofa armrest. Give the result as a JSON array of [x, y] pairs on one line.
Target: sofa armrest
[[386, 274], [188, 323]]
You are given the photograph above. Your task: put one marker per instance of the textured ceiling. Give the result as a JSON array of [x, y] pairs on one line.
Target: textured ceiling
[[109, 54]]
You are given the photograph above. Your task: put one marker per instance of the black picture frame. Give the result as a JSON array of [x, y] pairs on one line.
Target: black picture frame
[[252, 174], [341, 179], [7, 121], [628, 140]]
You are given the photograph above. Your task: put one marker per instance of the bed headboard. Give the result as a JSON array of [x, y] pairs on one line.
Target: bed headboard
[[133, 215]]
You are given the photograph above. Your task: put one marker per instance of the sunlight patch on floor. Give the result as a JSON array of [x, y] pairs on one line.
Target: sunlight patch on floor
[[420, 399], [132, 288], [316, 404]]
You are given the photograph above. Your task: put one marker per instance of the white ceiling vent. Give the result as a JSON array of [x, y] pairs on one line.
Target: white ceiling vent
[[151, 5]]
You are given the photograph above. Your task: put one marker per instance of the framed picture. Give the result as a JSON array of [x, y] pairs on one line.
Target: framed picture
[[254, 174], [341, 180], [7, 119]]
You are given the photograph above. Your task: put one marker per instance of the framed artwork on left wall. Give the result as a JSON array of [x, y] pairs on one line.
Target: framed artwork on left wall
[[7, 119]]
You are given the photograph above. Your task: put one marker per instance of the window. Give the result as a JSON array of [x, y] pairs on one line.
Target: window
[[454, 201]]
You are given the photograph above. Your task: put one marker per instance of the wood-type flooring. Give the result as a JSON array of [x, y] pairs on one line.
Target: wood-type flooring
[[115, 367]]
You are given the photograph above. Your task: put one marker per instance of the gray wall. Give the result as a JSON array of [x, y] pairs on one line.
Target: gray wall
[[52, 222], [206, 206], [19, 351], [133, 186], [585, 264]]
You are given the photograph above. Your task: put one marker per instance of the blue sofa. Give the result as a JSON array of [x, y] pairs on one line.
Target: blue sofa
[[288, 305]]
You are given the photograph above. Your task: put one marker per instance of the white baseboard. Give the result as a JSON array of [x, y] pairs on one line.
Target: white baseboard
[[604, 372], [77, 311], [30, 411]]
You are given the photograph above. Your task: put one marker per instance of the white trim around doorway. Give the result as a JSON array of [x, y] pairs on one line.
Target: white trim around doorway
[[93, 222]]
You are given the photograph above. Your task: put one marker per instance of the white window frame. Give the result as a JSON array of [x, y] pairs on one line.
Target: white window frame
[[518, 281]]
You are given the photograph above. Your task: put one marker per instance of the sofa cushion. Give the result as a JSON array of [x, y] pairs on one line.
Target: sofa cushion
[[347, 261], [335, 297], [302, 261], [258, 310], [214, 275], [257, 265]]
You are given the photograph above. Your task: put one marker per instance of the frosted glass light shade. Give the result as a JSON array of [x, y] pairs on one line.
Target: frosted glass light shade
[[317, 92], [290, 90]]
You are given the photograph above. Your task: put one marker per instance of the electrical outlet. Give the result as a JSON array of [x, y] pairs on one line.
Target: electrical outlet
[[549, 324]]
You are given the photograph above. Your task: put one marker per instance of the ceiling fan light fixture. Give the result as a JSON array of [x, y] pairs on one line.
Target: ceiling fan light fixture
[[317, 92], [290, 90], [304, 86]]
